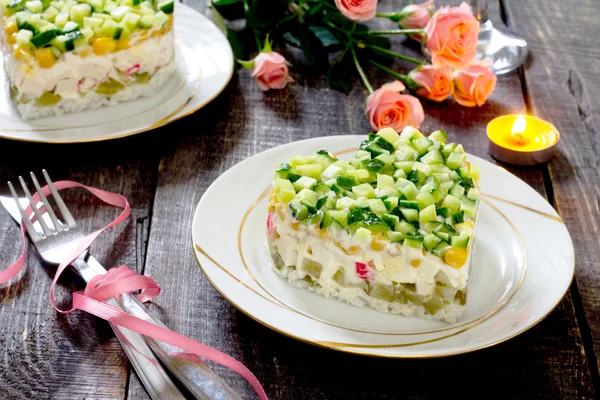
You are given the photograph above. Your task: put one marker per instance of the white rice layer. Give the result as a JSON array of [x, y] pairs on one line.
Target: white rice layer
[[357, 297]]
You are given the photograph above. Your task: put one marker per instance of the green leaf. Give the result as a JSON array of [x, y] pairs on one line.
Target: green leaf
[[240, 49], [337, 77], [315, 9], [338, 19], [217, 18], [220, 3], [312, 48], [291, 39], [230, 9], [327, 38], [380, 41], [266, 13], [246, 64]]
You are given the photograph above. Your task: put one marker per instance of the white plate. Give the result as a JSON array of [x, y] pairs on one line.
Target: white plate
[[523, 265], [204, 67]]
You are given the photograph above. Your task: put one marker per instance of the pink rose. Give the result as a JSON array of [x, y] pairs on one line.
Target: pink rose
[[416, 16], [434, 83], [361, 10], [388, 108], [271, 71], [451, 36], [473, 85]]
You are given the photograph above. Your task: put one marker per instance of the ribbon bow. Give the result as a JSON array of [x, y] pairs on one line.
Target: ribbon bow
[[119, 281]]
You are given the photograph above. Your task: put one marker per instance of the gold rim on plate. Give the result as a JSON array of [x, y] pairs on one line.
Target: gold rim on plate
[[284, 305]]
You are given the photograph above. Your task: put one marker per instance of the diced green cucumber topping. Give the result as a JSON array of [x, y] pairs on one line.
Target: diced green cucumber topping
[[14, 4], [146, 22], [461, 241], [43, 38], [412, 189], [35, 6], [166, 6], [66, 42], [440, 136], [48, 20]]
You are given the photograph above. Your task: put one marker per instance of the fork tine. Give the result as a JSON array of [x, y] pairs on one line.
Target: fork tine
[[33, 205], [59, 201], [57, 225], [33, 234]]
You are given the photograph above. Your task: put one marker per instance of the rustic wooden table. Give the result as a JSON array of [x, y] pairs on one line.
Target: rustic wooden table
[[164, 173]]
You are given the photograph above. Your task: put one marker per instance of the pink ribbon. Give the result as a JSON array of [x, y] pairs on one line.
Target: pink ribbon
[[123, 280]]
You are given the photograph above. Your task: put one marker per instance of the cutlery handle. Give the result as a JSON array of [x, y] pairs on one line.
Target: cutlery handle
[[196, 376], [153, 376]]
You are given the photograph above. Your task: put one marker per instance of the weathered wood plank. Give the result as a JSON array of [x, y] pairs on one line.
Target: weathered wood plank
[[45, 354], [562, 78], [546, 362]]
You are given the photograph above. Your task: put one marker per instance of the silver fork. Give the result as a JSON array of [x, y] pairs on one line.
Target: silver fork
[[54, 241]]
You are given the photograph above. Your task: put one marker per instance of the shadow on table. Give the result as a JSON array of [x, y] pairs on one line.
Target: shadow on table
[[283, 103], [519, 368]]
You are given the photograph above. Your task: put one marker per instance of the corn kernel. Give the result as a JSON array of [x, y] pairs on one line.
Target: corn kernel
[[415, 263], [351, 250], [104, 45], [295, 225], [12, 39], [376, 245], [455, 258], [272, 198], [11, 28], [22, 55], [123, 44], [45, 57]]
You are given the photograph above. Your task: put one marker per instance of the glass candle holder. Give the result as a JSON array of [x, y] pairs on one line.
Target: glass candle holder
[[507, 49]]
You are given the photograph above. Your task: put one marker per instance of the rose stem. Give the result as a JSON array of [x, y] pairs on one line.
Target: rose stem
[[360, 71], [389, 71], [288, 18], [393, 32], [389, 53], [337, 29], [384, 15]]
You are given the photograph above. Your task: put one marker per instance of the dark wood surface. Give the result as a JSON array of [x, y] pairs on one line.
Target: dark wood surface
[[164, 173]]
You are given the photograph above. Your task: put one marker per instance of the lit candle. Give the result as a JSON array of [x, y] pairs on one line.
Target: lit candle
[[522, 139]]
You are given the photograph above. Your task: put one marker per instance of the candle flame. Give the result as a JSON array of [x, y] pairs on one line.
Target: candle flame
[[519, 125], [518, 129]]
